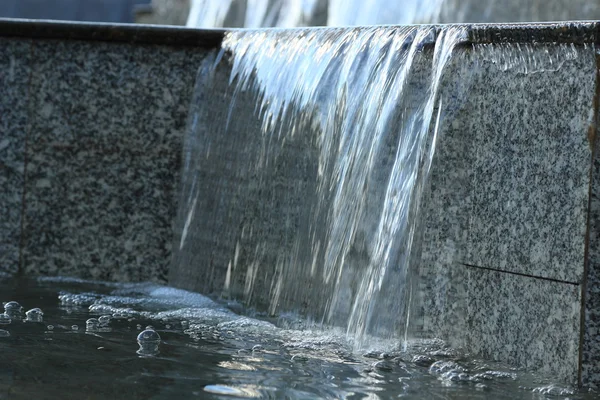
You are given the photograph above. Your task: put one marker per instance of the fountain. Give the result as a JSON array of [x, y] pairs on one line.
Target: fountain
[[288, 195]]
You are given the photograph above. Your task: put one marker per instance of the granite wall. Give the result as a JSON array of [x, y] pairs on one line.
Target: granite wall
[[90, 140], [506, 213]]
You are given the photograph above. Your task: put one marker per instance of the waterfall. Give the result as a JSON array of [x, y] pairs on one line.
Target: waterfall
[[304, 164]]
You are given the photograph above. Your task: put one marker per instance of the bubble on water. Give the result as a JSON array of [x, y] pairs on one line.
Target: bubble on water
[[34, 315], [149, 340], [104, 320], [50, 327], [377, 354], [423, 361], [4, 319], [12, 308], [554, 390], [77, 300], [185, 324], [440, 367], [92, 324], [4, 333], [299, 357], [74, 327], [491, 375], [138, 326], [148, 335], [383, 365], [247, 324], [454, 376]]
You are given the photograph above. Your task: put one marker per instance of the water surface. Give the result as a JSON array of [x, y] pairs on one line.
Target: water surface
[[219, 351]]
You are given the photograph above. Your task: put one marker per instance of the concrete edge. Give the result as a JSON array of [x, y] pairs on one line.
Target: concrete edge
[[553, 32], [130, 33]]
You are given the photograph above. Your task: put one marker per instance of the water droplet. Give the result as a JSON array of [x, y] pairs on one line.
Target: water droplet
[[75, 327], [34, 315], [4, 319], [92, 324], [104, 320], [50, 327], [149, 340], [4, 333]]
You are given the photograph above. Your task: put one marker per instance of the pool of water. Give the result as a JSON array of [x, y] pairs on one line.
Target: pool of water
[[210, 350]]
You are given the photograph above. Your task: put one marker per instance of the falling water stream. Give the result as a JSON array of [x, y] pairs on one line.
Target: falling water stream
[[344, 124]]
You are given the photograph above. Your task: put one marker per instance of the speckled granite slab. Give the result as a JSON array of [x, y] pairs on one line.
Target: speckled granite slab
[[106, 128], [525, 321], [590, 372], [506, 210], [531, 164], [15, 73]]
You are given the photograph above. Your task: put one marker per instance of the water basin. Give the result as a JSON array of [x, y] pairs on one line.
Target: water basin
[[202, 349]]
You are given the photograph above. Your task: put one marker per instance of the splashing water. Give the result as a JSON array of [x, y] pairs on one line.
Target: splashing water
[[355, 113]]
